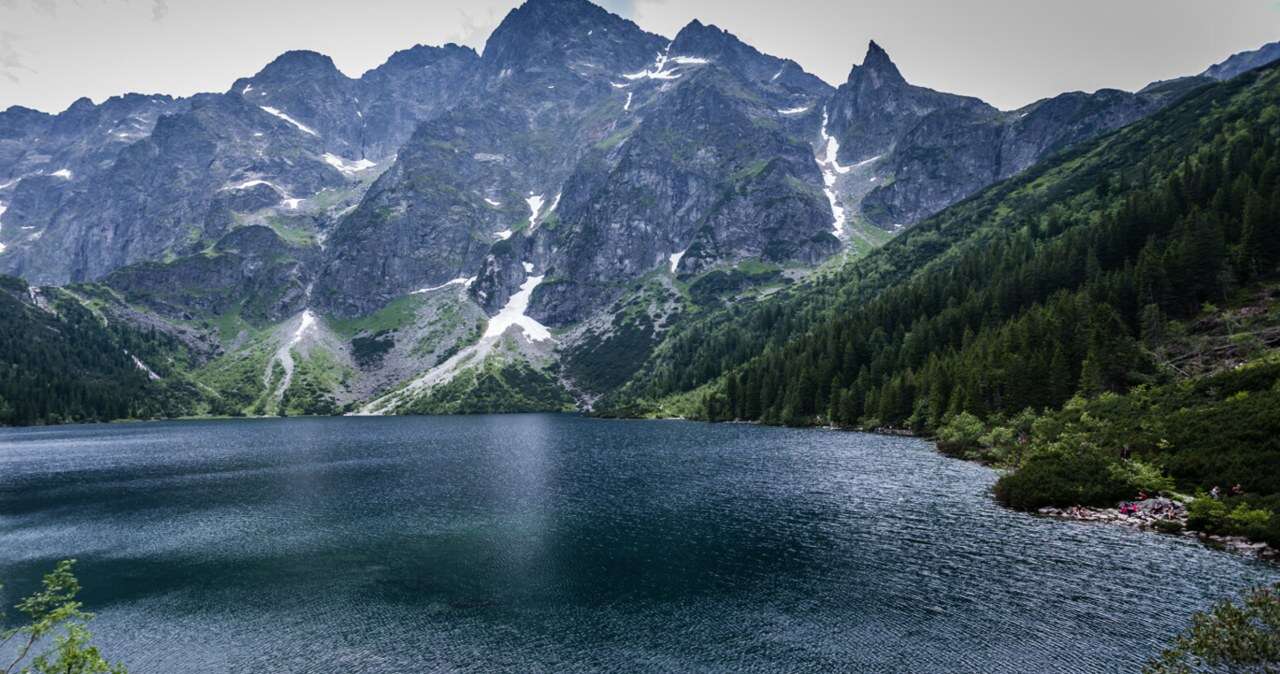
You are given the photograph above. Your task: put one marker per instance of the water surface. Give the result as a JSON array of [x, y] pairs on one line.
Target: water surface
[[558, 543]]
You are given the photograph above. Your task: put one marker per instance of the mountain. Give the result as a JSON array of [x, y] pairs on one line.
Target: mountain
[[298, 128], [61, 363], [925, 150], [1243, 62], [584, 214]]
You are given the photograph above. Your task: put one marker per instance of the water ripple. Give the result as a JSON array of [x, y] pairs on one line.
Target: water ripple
[[556, 543]]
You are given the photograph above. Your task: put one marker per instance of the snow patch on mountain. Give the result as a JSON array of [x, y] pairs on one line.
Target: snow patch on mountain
[[831, 172], [659, 70], [347, 167], [461, 280], [281, 115], [252, 182], [513, 314], [137, 362], [675, 258], [535, 205]]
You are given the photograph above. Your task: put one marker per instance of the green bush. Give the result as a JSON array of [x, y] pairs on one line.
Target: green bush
[[1251, 522], [1207, 515], [1062, 477], [1239, 636], [960, 434], [1143, 476]]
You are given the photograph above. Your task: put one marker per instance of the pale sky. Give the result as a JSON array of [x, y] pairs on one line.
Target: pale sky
[[1008, 52]]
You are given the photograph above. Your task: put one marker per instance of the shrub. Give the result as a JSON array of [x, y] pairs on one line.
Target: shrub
[[1207, 515], [1251, 522], [960, 434], [1143, 476], [1232, 637], [1061, 476]]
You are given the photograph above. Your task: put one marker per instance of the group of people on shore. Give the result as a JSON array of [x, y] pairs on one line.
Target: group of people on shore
[[1216, 492], [1155, 508]]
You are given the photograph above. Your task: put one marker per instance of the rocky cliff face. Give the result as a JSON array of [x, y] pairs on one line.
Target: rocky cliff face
[[251, 272], [710, 176], [579, 111], [952, 154], [553, 82]]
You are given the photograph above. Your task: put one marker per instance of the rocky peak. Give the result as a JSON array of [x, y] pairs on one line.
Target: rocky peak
[[877, 69], [542, 33], [423, 56], [699, 38], [298, 64], [18, 121], [780, 80]]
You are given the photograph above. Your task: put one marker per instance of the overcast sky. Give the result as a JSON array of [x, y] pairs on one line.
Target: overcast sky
[[1008, 52]]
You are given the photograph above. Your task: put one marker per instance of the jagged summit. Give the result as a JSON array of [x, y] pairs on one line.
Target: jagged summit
[[83, 104], [711, 42], [877, 67], [421, 55], [542, 33], [299, 62]]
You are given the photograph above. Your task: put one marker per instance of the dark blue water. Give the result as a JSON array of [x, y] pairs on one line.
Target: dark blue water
[[556, 543]]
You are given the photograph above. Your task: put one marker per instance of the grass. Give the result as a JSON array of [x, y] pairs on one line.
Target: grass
[[291, 234], [398, 313]]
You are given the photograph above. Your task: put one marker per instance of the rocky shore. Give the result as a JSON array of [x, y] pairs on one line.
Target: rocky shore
[[1165, 516]]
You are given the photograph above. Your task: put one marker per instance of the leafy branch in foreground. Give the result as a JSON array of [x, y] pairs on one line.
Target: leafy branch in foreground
[[53, 612], [1230, 637]]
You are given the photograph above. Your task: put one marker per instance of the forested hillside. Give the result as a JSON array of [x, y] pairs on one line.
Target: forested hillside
[[1042, 286], [61, 363]]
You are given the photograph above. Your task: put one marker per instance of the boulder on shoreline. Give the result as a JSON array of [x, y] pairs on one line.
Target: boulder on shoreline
[[1163, 515]]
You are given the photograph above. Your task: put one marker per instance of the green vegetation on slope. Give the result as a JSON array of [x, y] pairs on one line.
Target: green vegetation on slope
[[1186, 436], [60, 362], [497, 385]]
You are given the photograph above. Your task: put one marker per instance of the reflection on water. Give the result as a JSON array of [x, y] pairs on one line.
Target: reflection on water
[[554, 543]]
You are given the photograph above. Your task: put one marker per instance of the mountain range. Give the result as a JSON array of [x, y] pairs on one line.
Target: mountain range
[[511, 230]]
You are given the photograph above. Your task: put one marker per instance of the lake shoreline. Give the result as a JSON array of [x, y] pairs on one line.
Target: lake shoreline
[[1237, 545]]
